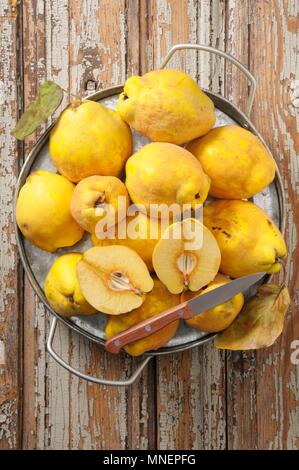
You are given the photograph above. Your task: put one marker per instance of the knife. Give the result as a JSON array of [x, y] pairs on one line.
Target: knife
[[184, 310]]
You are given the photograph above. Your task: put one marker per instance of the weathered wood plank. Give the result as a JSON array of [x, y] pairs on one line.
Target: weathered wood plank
[[190, 385], [241, 367], [122, 419], [237, 44], [45, 36], [95, 56], [256, 392], [94, 44], [276, 66], [141, 399], [11, 289], [84, 50]]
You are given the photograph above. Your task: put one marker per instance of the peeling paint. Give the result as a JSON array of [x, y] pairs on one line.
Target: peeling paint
[[88, 42], [2, 353], [9, 378], [8, 413]]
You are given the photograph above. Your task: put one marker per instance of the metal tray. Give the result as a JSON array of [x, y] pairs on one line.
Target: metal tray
[[37, 262]]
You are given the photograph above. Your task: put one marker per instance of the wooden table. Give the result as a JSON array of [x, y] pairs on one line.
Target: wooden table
[[200, 399]]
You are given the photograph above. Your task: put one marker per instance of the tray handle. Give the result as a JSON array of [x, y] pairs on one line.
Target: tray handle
[[228, 57], [90, 378]]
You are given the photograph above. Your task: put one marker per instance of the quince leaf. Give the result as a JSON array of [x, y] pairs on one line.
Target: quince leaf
[[259, 323], [48, 99]]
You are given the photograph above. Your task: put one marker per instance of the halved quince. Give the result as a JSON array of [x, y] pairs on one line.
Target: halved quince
[[113, 279], [186, 257]]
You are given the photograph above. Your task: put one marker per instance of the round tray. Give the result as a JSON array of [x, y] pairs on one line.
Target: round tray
[[37, 262]]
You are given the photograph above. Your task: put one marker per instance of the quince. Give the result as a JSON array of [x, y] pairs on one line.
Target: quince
[[138, 232], [62, 287], [248, 239], [235, 160], [186, 257], [217, 318], [89, 139], [166, 106], [113, 279], [162, 173], [94, 197], [43, 211], [158, 300]]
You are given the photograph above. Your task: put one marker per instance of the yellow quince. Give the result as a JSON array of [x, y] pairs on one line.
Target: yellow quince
[[166, 106]]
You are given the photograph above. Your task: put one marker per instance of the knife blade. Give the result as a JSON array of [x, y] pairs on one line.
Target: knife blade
[[222, 294], [184, 310]]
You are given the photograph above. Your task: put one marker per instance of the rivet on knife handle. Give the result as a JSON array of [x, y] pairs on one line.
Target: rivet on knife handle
[[148, 327]]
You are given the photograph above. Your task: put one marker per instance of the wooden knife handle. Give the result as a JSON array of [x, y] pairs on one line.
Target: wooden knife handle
[[148, 327]]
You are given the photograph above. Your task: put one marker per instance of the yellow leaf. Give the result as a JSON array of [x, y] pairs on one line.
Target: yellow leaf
[[259, 323]]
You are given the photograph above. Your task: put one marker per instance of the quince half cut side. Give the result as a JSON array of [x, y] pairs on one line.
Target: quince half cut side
[[186, 257], [113, 279]]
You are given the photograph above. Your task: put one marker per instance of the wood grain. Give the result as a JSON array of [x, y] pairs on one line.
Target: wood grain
[[202, 398], [240, 366], [262, 386], [79, 50], [95, 55], [276, 67], [11, 284], [188, 420], [40, 52]]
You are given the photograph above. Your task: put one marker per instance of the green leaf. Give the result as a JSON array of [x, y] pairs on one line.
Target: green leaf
[[48, 99]]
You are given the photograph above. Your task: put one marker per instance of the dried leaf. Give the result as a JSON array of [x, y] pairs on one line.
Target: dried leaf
[[260, 321], [48, 99]]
